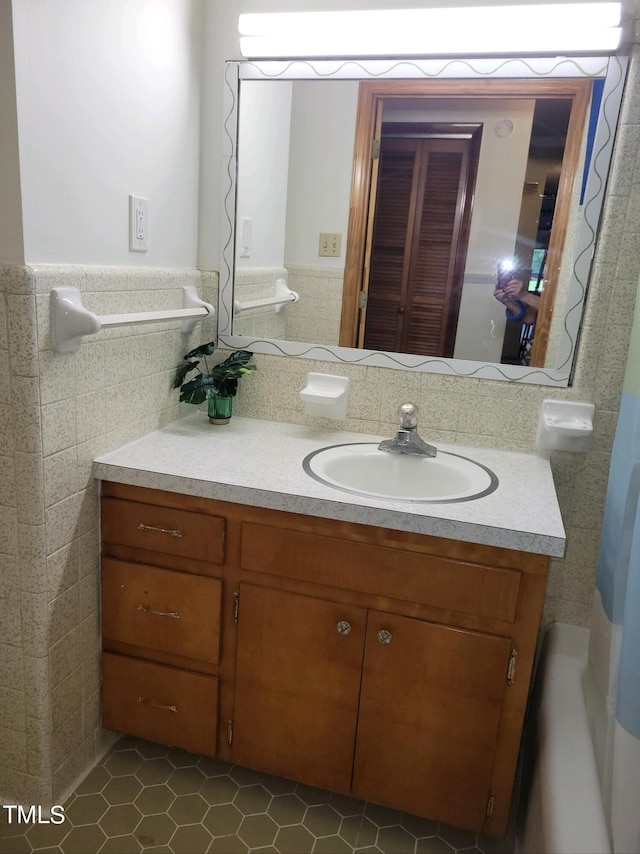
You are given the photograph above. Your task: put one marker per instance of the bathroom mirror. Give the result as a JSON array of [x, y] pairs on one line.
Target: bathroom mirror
[[319, 156]]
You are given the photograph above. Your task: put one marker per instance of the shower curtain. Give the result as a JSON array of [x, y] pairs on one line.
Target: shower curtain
[[612, 681]]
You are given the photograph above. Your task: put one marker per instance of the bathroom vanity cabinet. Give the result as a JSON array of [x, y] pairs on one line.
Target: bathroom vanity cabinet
[[161, 616], [389, 665]]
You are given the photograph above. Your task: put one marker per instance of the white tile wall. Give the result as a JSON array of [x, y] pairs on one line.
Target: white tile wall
[[259, 283], [315, 318], [57, 412]]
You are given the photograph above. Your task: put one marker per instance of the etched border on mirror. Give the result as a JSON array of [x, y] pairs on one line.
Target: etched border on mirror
[[612, 70]]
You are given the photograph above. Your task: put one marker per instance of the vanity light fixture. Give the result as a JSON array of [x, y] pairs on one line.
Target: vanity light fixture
[[477, 30]]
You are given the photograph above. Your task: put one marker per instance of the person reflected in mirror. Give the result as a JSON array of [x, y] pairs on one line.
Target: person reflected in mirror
[[521, 305]]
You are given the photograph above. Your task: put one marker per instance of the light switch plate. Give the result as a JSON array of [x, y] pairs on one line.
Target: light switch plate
[[330, 245]]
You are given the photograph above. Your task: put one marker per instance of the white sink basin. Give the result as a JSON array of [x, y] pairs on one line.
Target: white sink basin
[[362, 469]]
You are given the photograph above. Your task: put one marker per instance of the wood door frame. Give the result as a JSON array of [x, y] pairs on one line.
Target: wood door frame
[[369, 95]]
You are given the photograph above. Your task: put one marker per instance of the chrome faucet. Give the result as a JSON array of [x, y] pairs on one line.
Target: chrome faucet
[[407, 440]]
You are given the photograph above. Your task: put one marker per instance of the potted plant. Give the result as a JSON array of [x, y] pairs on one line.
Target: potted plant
[[217, 384]]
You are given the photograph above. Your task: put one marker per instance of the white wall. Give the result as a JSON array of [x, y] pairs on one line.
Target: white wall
[[108, 97], [323, 122], [11, 245], [501, 176], [263, 137]]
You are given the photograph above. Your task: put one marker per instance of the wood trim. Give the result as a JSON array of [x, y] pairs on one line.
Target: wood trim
[[568, 177], [147, 495], [358, 213], [373, 191], [524, 638], [145, 652]]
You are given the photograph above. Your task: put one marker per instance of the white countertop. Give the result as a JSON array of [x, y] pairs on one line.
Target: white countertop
[[260, 463]]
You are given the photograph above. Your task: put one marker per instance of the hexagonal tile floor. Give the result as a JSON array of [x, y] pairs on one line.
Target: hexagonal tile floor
[[147, 798]]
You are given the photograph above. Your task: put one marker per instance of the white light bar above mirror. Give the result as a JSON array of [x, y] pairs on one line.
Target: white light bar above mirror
[[472, 31]]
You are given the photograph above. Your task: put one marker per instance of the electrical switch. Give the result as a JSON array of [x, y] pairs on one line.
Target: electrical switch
[[330, 245]]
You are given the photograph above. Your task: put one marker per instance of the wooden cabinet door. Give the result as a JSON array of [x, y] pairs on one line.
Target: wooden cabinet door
[[297, 686], [429, 714]]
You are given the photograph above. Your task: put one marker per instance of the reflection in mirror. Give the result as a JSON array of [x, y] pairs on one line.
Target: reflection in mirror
[[386, 205], [456, 188]]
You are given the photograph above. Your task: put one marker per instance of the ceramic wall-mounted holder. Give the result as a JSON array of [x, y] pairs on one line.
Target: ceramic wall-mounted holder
[[326, 396], [565, 425], [282, 297], [71, 321]]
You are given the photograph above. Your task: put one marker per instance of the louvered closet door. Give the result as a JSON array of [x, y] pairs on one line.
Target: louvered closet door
[[419, 246], [390, 253], [432, 284]]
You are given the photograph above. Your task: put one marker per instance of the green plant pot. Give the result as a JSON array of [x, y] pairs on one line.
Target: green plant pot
[[220, 407]]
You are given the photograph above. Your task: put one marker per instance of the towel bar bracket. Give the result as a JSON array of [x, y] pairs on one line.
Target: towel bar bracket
[[70, 320], [283, 296]]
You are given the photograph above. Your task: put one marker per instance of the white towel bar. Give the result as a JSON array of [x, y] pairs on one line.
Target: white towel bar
[[70, 320], [282, 297]]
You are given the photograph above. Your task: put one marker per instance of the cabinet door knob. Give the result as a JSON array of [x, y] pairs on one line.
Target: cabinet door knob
[[343, 627], [384, 636]]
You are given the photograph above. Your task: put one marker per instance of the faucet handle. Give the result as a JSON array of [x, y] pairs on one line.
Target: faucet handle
[[408, 413]]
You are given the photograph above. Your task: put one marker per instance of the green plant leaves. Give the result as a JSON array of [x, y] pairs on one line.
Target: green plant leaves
[[221, 379], [240, 357], [228, 386], [228, 372], [181, 373], [202, 350], [193, 391]]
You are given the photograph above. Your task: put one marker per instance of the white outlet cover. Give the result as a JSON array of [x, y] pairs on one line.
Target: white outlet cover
[[138, 224]]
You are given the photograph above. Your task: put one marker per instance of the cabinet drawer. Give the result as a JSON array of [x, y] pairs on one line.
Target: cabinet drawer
[[163, 529], [427, 579], [172, 612], [159, 703]]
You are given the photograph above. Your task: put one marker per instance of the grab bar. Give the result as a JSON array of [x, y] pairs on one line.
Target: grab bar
[[282, 297], [70, 320]]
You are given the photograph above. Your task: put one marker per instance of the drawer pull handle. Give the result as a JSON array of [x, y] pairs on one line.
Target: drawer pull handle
[[343, 627], [175, 615], [143, 527], [384, 636], [170, 708]]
